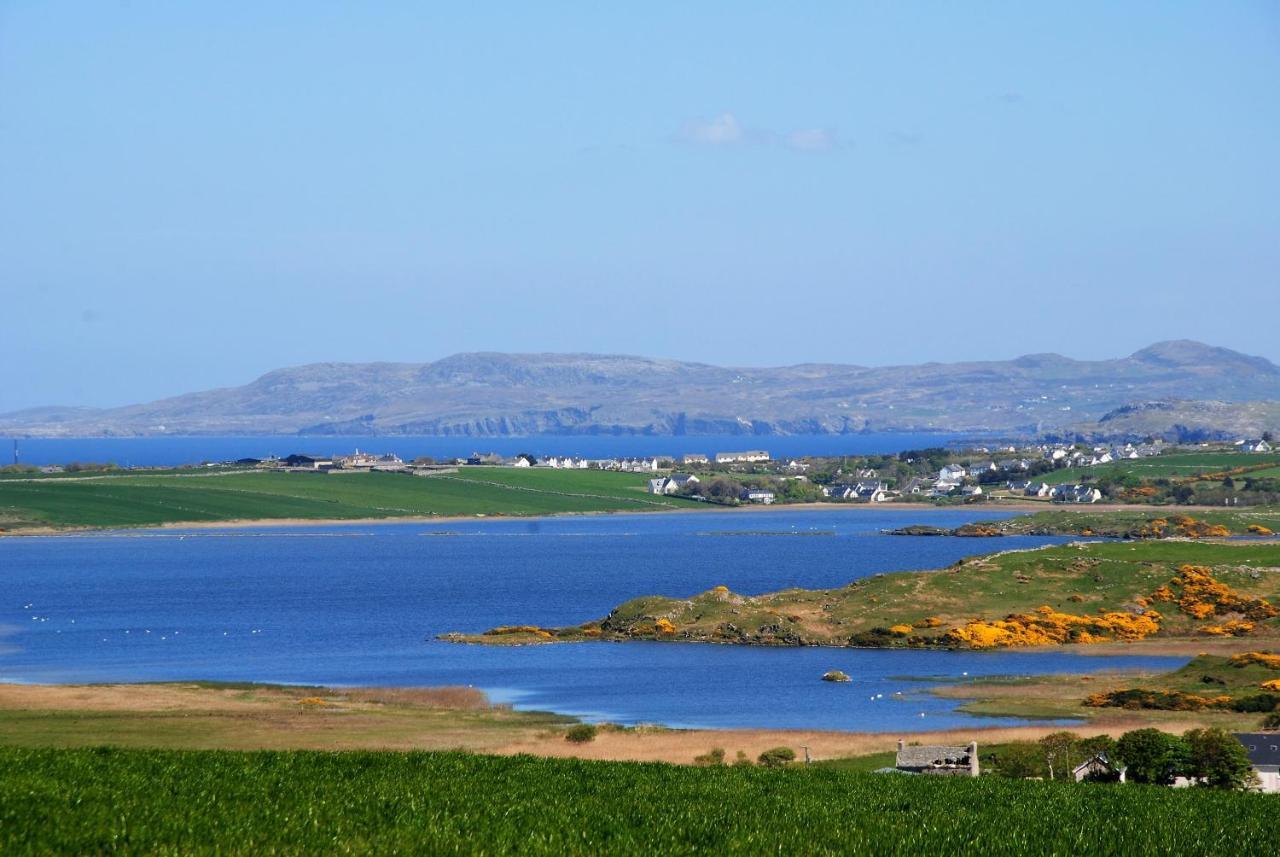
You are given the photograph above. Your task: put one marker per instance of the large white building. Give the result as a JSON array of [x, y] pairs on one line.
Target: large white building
[[749, 456]]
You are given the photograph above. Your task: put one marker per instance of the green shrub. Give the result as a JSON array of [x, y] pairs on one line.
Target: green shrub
[[715, 756], [1021, 760], [581, 734], [741, 760], [777, 757]]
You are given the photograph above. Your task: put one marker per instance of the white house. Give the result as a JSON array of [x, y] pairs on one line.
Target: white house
[[751, 455], [1258, 445], [953, 473], [1264, 754], [672, 484], [916, 485], [870, 491], [1075, 494], [758, 495], [1037, 489], [1098, 765], [981, 467], [693, 458], [837, 492]]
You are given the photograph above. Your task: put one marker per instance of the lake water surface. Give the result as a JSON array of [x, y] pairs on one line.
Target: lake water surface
[[361, 604], [171, 451]]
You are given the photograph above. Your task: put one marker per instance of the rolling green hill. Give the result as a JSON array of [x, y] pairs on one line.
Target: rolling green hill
[[140, 500]]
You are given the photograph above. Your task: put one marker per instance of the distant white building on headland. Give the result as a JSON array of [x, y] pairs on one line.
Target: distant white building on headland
[[749, 456]]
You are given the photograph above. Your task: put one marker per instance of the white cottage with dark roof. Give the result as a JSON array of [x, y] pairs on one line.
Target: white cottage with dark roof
[[1264, 754]]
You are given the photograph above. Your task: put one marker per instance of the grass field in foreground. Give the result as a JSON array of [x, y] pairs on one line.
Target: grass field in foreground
[[136, 500], [103, 801]]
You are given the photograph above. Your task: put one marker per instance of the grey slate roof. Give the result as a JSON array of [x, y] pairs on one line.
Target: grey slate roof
[[933, 757], [1263, 747]]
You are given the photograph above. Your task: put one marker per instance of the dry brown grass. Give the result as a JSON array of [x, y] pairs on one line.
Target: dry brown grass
[[196, 716]]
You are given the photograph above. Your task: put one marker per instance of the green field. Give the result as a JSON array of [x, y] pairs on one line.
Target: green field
[[1099, 520], [139, 500], [175, 802], [1174, 466]]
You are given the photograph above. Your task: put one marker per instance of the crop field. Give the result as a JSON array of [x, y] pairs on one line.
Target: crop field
[[1177, 466], [133, 500], [120, 801]]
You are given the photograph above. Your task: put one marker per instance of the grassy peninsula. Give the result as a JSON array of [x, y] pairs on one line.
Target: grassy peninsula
[[130, 499], [1069, 594]]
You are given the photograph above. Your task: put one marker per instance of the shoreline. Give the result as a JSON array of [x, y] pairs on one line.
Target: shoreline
[[251, 716], [289, 523]]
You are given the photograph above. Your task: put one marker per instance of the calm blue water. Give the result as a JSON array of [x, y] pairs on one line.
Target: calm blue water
[[359, 605], [162, 451]]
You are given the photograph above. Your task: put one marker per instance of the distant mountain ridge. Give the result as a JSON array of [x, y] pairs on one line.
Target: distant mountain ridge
[[498, 394]]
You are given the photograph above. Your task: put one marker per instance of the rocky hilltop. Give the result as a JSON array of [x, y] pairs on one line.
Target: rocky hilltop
[[492, 394]]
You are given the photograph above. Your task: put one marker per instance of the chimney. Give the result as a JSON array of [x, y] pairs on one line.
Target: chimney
[[973, 758]]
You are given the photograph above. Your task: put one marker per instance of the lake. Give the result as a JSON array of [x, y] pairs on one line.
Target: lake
[[361, 604], [172, 451]]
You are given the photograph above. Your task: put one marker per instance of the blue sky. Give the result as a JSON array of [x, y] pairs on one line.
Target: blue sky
[[194, 193]]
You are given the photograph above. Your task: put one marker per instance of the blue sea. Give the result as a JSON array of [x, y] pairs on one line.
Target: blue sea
[[361, 605], [173, 451]]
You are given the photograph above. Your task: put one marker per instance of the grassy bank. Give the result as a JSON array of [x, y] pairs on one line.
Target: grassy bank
[[141, 500], [95, 801], [1093, 521], [198, 715], [1081, 593], [1201, 693]]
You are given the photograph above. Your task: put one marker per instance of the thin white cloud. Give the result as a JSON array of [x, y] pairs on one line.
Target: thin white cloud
[[722, 130], [812, 139], [726, 130]]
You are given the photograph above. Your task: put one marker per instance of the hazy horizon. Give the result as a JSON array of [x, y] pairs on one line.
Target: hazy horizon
[[196, 194]]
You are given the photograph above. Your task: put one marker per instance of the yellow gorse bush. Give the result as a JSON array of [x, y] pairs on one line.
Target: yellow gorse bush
[[1200, 595], [1266, 659], [1047, 626]]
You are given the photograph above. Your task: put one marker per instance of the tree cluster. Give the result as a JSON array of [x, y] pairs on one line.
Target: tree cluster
[[1210, 758]]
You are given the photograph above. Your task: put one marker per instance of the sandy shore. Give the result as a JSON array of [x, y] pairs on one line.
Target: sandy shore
[[185, 715], [859, 508]]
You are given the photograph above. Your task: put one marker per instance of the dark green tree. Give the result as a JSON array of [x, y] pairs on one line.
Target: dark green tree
[[1216, 759], [1020, 760], [1152, 756]]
